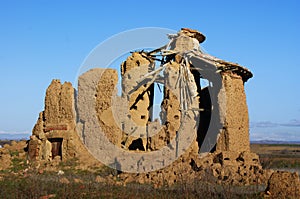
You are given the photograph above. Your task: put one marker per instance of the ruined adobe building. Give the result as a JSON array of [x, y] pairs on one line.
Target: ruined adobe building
[[215, 115], [55, 135]]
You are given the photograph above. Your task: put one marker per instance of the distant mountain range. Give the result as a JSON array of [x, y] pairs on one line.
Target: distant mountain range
[[13, 136], [273, 142]]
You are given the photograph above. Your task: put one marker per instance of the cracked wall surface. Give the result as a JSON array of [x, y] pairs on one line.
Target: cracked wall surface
[[235, 134], [139, 99]]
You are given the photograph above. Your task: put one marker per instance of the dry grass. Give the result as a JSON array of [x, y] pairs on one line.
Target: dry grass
[[15, 183], [49, 184], [278, 156]]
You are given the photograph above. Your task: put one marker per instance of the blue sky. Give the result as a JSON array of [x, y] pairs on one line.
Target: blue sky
[[43, 40]]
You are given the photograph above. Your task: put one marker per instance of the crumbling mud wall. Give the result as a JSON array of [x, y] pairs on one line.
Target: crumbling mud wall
[[140, 100], [54, 136], [235, 134], [105, 89], [171, 114], [86, 87]]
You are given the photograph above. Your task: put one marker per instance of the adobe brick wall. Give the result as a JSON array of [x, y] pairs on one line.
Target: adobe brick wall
[[235, 134], [58, 120]]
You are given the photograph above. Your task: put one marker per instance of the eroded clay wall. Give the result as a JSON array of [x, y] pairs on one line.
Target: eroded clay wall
[[56, 126], [59, 105], [140, 96], [106, 88], [235, 134], [171, 114]]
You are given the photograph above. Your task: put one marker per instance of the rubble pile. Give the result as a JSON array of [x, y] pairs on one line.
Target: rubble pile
[[283, 184], [9, 152]]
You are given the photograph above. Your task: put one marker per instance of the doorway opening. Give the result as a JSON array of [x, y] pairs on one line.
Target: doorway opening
[[56, 144]]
